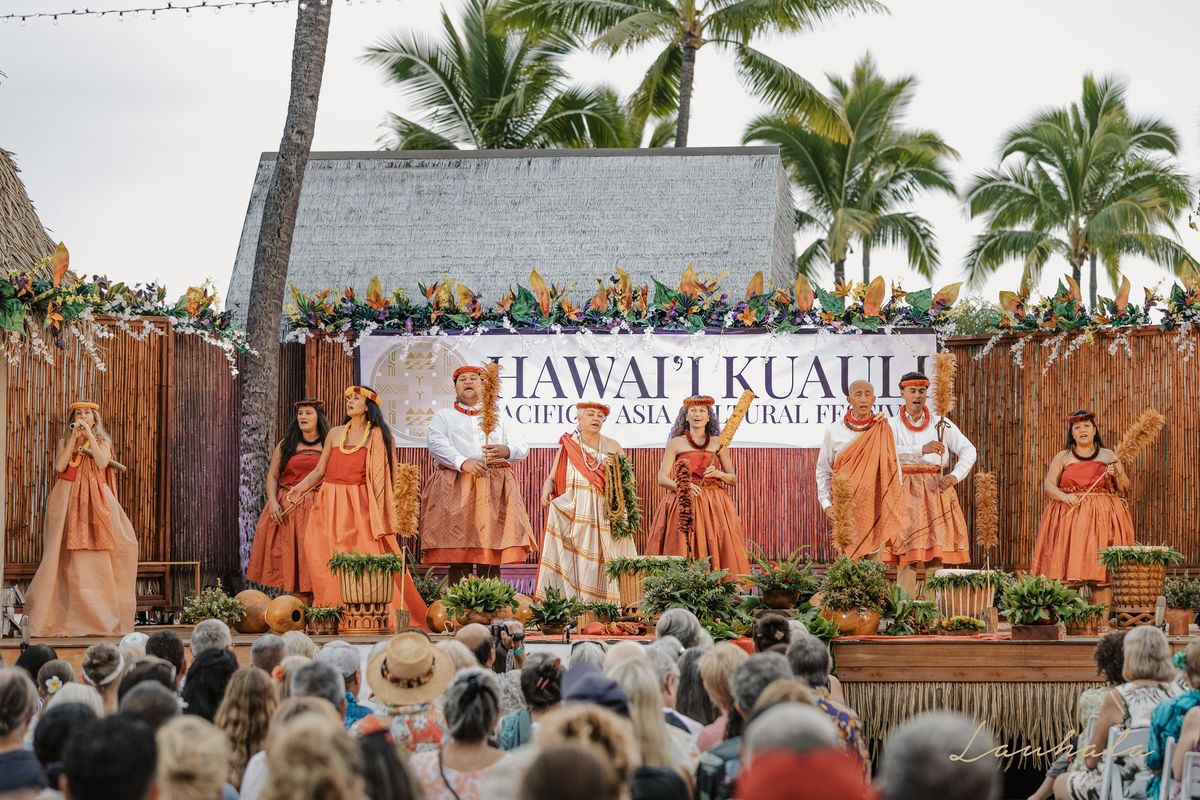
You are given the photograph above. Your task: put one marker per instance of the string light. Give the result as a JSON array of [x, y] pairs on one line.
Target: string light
[[187, 8]]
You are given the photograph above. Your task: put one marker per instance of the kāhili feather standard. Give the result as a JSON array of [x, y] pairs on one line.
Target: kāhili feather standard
[[735, 419], [490, 418], [406, 491], [987, 510], [842, 512]]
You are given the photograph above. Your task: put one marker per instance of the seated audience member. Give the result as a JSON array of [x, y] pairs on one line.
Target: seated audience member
[[684, 626], [20, 771], [255, 776], [298, 643], [478, 639], [460, 655], [245, 717], [1167, 720], [267, 652], [585, 652], [541, 685], [691, 699], [282, 674], [313, 757], [770, 630], [828, 773], [33, 657], [568, 772], [457, 770], [666, 672], [321, 681], [113, 758], [916, 763], [168, 647], [148, 668], [193, 759], [622, 652], [661, 745], [344, 657], [207, 678], [151, 703], [211, 634], [796, 727], [54, 730], [717, 666], [51, 677], [385, 775], [810, 662], [77, 693], [405, 679], [586, 684], [102, 668]]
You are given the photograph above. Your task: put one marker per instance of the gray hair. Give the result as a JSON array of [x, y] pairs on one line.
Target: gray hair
[[472, 704], [587, 653], [759, 672], [267, 651], [684, 626], [809, 659], [662, 661], [790, 726], [797, 630], [77, 693], [319, 680], [210, 634], [342, 656], [297, 643], [917, 759]]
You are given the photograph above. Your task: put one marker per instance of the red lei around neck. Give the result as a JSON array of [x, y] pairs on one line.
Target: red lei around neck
[[470, 412], [908, 423], [855, 424]]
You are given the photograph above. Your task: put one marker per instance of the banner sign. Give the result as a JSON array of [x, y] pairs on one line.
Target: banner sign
[[801, 379]]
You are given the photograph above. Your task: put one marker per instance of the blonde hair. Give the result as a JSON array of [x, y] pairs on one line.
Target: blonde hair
[[641, 687], [245, 716], [312, 756], [459, 654], [597, 729], [297, 643], [1147, 655], [287, 666], [98, 429], [78, 693], [716, 672], [785, 690], [1191, 663], [193, 759]]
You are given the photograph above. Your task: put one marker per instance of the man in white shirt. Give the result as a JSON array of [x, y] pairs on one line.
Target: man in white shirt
[[471, 509], [937, 532]]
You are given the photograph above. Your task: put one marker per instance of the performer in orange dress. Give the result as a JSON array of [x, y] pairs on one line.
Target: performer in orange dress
[[355, 508], [1085, 512], [861, 445], [86, 584], [277, 555], [717, 528]]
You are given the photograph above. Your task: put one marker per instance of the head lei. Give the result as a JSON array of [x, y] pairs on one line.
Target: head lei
[[467, 369], [698, 400], [1081, 416], [83, 405], [603, 409], [918, 382], [361, 391], [310, 402]]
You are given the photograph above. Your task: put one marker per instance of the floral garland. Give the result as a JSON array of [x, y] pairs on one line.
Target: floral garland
[[694, 306], [624, 506], [37, 313]]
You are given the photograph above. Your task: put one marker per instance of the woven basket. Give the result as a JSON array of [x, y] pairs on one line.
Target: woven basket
[[963, 601], [1137, 585], [369, 587]]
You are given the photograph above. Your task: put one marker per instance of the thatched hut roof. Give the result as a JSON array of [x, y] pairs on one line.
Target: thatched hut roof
[[23, 240], [486, 218]]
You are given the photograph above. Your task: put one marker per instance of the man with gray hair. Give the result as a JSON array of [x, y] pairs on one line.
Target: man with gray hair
[[810, 662], [267, 651], [211, 634], [320, 680], [344, 657], [666, 670], [795, 727], [939, 754]]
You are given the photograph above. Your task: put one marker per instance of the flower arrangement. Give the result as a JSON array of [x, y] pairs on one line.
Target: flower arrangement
[[213, 603]]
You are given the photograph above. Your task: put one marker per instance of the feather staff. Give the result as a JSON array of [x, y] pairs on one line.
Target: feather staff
[[1139, 436], [735, 419], [842, 512], [490, 417], [945, 369], [406, 494], [987, 511]]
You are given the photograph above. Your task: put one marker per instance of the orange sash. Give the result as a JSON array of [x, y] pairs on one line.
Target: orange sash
[[880, 512], [89, 522], [571, 449]]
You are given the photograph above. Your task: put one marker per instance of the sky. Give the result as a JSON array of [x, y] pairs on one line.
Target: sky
[[138, 140]]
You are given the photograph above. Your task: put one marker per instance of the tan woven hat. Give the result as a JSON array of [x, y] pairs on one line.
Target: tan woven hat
[[410, 671]]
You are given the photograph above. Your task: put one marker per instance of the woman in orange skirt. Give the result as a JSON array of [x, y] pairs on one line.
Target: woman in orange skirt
[[1086, 512], [86, 584], [717, 529], [355, 509], [277, 555]]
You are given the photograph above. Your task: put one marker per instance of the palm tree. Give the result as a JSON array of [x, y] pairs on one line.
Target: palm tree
[[682, 27], [857, 191], [488, 88], [1088, 182], [260, 374]]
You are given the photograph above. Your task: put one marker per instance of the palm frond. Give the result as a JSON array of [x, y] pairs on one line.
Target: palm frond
[[786, 90]]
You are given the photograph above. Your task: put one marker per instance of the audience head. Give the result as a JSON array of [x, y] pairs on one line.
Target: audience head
[[33, 657], [344, 658], [206, 682], [584, 652], [640, 686], [282, 674], [621, 652], [752, 677], [1110, 656], [409, 671], [569, 772], [691, 699], [666, 672], [773, 774], [169, 647], [788, 726], [112, 758], [1191, 664], [787, 690], [478, 639], [245, 715], [1147, 655], [810, 661], [54, 730], [586, 684], [595, 728], [18, 703], [717, 666], [319, 680], [149, 668], [541, 681], [684, 626], [267, 652], [193, 760], [916, 759], [472, 705], [670, 645], [135, 641], [79, 693], [312, 756], [103, 667], [796, 630], [152, 703], [459, 654], [770, 630], [54, 675], [210, 634], [298, 643], [383, 773]]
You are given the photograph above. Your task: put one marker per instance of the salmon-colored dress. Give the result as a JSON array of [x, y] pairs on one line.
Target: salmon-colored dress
[[1068, 540], [86, 584], [277, 555], [346, 517], [718, 528]]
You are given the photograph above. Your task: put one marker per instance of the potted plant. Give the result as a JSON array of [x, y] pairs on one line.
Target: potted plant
[[430, 588], [965, 592], [322, 620], [554, 611], [1081, 618], [903, 615], [479, 600], [598, 612], [853, 593], [960, 626], [1031, 605], [693, 585], [1138, 573], [1182, 596], [786, 582], [631, 573], [213, 603], [366, 578]]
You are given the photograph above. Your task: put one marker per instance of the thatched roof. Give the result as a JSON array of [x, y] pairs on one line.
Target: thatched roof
[[23, 240], [485, 218]]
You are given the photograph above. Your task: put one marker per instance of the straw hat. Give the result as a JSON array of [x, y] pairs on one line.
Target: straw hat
[[410, 671]]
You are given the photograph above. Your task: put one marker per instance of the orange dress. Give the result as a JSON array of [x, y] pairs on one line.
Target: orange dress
[[277, 555], [354, 512], [86, 584], [1067, 540], [718, 528]]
